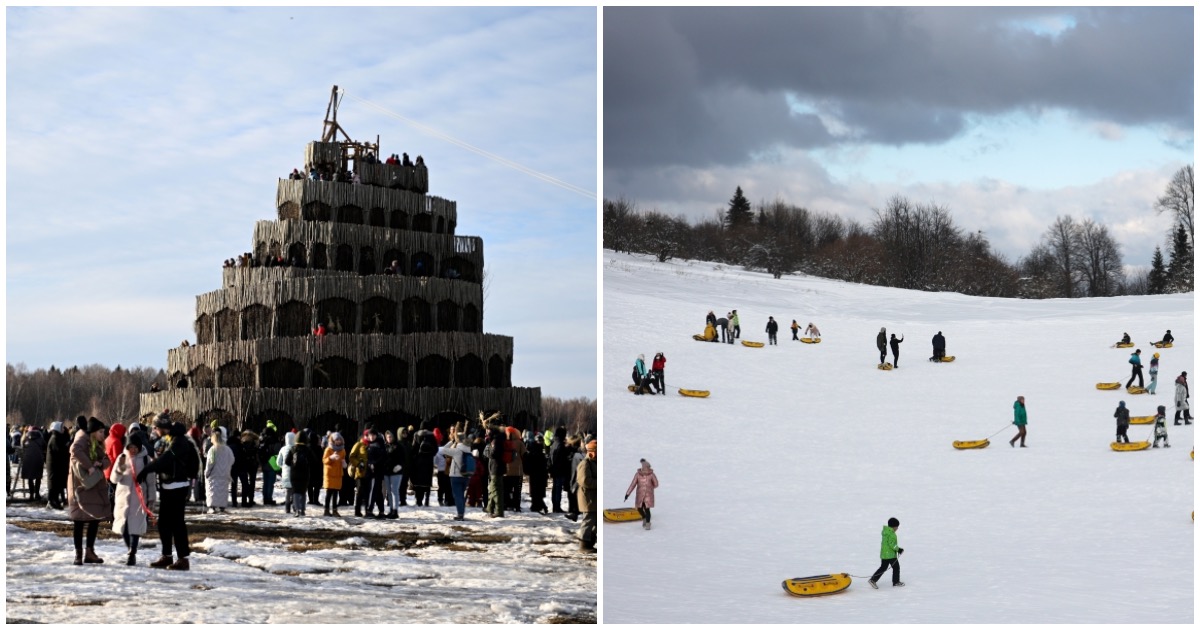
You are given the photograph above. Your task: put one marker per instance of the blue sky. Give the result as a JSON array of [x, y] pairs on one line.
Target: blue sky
[[1007, 116], [144, 144]]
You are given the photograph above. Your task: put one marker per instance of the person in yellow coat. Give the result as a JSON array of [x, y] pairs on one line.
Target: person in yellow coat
[[335, 465], [358, 470]]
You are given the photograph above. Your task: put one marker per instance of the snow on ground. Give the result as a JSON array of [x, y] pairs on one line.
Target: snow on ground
[[258, 565], [801, 454]]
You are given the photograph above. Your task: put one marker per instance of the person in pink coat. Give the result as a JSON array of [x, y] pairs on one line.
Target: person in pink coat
[[644, 481]]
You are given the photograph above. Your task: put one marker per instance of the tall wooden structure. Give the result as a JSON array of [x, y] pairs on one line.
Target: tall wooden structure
[[403, 345]]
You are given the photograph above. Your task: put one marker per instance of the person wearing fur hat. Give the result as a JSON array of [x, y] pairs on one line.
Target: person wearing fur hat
[[129, 515], [585, 474], [218, 471], [335, 464], [644, 482], [1153, 374], [58, 461], [1122, 416], [178, 465], [87, 492]]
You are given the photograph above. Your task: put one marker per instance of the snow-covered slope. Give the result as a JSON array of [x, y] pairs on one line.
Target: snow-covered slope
[[801, 454]]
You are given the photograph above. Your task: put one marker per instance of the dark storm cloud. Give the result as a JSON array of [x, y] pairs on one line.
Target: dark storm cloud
[[706, 86]]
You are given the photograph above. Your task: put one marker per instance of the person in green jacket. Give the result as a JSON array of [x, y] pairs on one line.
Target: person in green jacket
[[888, 554], [1019, 419]]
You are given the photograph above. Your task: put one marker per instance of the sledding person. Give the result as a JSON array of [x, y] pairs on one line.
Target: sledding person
[[1020, 419], [644, 482], [795, 331], [889, 554], [939, 347], [710, 322], [772, 330], [1153, 374], [896, 349], [1181, 399], [1160, 427], [812, 331], [881, 343], [735, 325], [641, 377], [1122, 416], [656, 371], [1167, 338], [1135, 360], [1124, 339]]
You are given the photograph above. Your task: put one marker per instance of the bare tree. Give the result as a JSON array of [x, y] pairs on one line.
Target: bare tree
[[1101, 259], [1180, 200], [1062, 241]]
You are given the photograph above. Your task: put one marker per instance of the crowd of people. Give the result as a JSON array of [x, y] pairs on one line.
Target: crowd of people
[[134, 476]]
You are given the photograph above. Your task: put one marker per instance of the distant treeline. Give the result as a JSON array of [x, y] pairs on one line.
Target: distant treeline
[[43, 396], [912, 246]]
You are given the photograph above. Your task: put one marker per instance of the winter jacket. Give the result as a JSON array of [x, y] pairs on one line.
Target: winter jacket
[[127, 510], [585, 475], [734, 321], [772, 326], [1153, 367], [533, 462], [114, 445], [377, 459], [888, 549], [393, 463], [1181, 392], [358, 460], [517, 448], [881, 341], [1122, 416], [86, 504], [939, 342], [644, 481], [896, 344], [421, 473], [335, 462], [285, 471], [659, 364], [1135, 360], [218, 473], [33, 455], [298, 464], [639, 368], [560, 458], [1019, 417], [179, 463], [58, 458]]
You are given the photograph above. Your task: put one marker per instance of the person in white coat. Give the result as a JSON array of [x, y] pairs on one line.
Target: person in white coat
[[218, 472], [129, 515], [285, 471]]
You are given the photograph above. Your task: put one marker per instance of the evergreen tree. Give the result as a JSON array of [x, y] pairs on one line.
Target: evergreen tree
[[739, 214], [1157, 280], [1180, 276]]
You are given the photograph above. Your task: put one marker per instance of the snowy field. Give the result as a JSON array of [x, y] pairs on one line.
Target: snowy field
[[801, 454], [258, 565]]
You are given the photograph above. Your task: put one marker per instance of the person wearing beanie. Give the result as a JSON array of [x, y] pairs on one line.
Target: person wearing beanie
[[1153, 375], [644, 482], [889, 554], [1122, 416], [585, 476], [1160, 427], [87, 493]]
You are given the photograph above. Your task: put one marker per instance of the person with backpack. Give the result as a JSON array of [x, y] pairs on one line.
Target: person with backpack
[[460, 461], [1135, 360], [889, 554], [297, 460], [176, 468]]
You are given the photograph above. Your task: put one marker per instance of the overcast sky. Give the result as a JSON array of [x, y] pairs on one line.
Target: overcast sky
[[144, 144], [1008, 117]]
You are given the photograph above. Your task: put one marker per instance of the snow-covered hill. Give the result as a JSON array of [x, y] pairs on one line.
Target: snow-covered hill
[[801, 454]]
